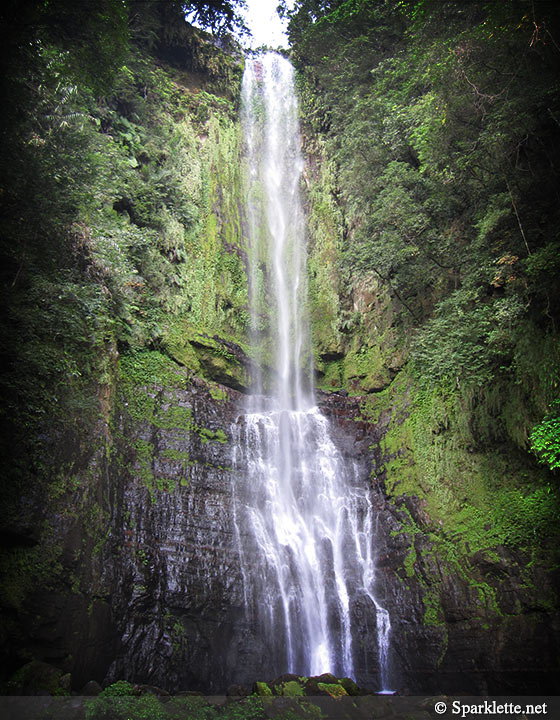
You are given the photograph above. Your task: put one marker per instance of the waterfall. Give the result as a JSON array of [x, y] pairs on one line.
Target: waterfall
[[304, 521]]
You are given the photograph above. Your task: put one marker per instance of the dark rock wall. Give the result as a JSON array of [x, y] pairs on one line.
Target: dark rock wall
[[177, 590], [177, 595], [487, 627], [149, 587]]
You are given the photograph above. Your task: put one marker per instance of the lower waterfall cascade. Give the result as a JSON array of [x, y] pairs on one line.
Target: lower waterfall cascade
[[304, 521]]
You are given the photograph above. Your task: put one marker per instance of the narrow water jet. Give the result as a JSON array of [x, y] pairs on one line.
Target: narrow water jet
[[305, 523]]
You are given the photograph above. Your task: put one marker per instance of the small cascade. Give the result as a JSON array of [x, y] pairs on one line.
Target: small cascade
[[305, 522]]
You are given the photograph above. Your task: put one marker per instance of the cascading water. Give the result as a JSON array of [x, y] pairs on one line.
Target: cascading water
[[304, 523]]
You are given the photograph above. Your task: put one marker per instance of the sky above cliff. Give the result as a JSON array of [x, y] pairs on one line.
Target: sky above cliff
[[264, 23]]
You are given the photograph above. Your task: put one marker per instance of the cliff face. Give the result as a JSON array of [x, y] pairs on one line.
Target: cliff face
[[145, 251], [148, 584], [120, 556], [176, 586], [467, 549], [403, 257], [462, 620], [177, 589]]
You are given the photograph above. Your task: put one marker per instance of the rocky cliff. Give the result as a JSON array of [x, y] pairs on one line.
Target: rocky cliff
[[119, 557]]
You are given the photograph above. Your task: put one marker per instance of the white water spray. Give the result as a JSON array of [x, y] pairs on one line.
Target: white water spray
[[304, 522]]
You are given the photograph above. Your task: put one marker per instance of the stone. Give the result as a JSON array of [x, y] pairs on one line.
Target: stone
[[37, 678], [91, 688]]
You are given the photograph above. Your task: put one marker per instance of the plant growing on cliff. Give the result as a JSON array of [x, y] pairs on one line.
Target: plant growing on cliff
[[545, 438]]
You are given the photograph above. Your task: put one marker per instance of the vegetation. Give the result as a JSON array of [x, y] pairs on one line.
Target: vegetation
[[114, 224], [545, 438], [120, 243], [446, 171], [433, 131]]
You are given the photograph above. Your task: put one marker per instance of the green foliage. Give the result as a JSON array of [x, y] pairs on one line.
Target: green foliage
[[148, 368], [219, 16], [121, 688], [111, 234], [439, 126], [262, 689], [333, 689], [119, 702], [482, 498], [107, 234], [545, 438]]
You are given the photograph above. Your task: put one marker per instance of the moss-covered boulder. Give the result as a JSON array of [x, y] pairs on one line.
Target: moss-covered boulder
[[290, 685], [38, 678], [335, 690], [262, 689]]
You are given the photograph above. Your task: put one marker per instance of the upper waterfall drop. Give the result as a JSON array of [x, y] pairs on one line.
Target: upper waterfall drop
[[305, 521], [276, 224]]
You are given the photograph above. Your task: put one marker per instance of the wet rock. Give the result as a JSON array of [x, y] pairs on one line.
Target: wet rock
[[350, 686], [262, 689], [150, 690], [91, 689], [162, 600], [65, 683]]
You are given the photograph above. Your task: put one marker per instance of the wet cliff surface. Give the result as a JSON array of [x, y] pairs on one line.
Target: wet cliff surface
[[177, 588], [120, 555], [177, 598], [149, 586], [482, 627], [177, 592]]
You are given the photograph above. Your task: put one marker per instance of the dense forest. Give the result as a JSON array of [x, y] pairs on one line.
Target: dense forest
[[431, 135], [433, 131]]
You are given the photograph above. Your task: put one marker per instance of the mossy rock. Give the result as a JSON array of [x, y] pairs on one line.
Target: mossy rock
[[220, 368], [38, 678], [333, 689], [279, 684], [262, 689], [350, 686], [325, 678], [312, 684], [291, 689]]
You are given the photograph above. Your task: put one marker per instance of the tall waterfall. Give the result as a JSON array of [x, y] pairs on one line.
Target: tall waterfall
[[305, 524]]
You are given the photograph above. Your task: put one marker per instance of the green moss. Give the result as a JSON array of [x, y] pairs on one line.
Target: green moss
[[331, 377], [367, 366], [333, 689], [409, 562], [176, 344], [217, 392], [178, 455], [149, 367], [207, 435], [325, 223], [262, 689], [289, 689], [483, 498], [178, 637], [487, 597], [29, 568], [433, 614], [144, 463], [174, 416]]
